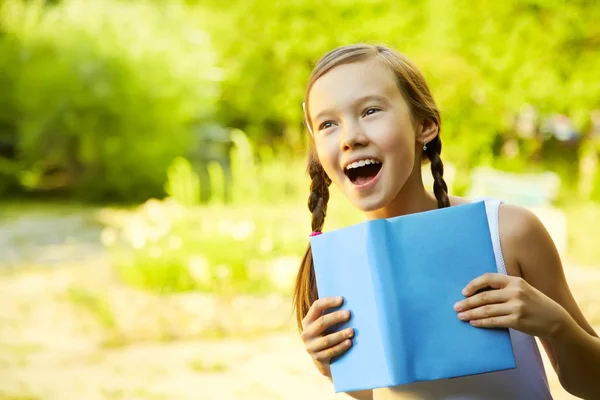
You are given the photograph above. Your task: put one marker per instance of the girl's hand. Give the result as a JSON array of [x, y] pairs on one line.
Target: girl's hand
[[322, 348], [514, 304]]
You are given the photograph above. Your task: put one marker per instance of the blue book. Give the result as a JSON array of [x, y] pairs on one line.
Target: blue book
[[400, 278]]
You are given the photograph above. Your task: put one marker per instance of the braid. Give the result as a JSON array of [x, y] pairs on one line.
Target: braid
[[319, 195], [440, 189], [305, 289]]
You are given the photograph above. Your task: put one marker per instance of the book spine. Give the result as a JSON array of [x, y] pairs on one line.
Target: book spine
[[379, 250]]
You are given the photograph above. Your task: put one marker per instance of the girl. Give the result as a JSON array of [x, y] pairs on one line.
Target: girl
[[373, 121]]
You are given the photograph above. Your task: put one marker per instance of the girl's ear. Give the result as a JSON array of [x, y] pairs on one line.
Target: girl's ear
[[429, 130]]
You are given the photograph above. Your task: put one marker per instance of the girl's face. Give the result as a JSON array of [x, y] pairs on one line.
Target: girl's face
[[363, 132]]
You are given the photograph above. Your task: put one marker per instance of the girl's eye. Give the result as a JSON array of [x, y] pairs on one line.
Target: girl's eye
[[370, 111], [325, 125]]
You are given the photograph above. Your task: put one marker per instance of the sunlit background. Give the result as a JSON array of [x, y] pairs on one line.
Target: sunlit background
[[153, 194]]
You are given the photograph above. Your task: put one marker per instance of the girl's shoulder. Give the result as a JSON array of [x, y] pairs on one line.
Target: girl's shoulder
[[519, 227], [525, 242], [527, 247]]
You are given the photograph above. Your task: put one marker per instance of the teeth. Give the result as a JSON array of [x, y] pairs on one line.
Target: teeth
[[362, 163]]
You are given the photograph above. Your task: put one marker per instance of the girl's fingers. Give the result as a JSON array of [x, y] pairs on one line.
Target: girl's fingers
[[494, 281], [322, 343], [504, 321], [324, 356], [486, 311], [483, 298], [322, 323], [318, 307]]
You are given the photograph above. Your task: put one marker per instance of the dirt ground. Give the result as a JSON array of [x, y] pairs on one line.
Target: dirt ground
[[74, 332]]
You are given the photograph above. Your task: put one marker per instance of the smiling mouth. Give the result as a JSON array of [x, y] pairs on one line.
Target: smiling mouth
[[362, 172]]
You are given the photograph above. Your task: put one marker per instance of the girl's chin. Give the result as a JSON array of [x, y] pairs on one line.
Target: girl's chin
[[369, 204]]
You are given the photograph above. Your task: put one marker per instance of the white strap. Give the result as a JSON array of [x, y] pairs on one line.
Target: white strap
[[492, 207]]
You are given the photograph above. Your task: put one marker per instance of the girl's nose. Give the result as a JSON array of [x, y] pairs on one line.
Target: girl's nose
[[352, 136]]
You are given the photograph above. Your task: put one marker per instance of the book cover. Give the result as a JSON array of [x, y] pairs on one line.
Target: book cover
[[400, 278]]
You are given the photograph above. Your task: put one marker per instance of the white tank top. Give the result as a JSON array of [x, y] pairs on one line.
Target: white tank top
[[527, 382]]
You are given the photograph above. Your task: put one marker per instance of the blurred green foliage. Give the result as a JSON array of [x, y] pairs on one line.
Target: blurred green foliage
[[102, 92], [483, 60], [99, 96], [183, 184], [167, 248]]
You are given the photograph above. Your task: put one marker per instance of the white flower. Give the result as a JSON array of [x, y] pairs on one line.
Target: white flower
[[134, 232], [199, 269], [154, 210], [223, 272], [243, 230]]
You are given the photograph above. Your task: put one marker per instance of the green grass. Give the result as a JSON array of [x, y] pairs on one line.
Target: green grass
[[94, 304], [4, 396], [217, 248], [203, 367], [100, 310]]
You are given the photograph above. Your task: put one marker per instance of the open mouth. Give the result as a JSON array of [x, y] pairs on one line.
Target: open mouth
[[363, 171]]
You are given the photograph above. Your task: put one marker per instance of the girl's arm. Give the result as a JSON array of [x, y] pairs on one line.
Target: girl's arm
[[538, 302], [572, 344]]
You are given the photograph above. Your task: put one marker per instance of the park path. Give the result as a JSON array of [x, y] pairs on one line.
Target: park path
[[50, 349]]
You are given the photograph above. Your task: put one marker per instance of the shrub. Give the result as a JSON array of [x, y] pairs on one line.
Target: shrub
[[106, 92]]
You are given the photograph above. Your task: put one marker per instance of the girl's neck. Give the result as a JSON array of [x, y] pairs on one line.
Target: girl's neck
[[412, 198]]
